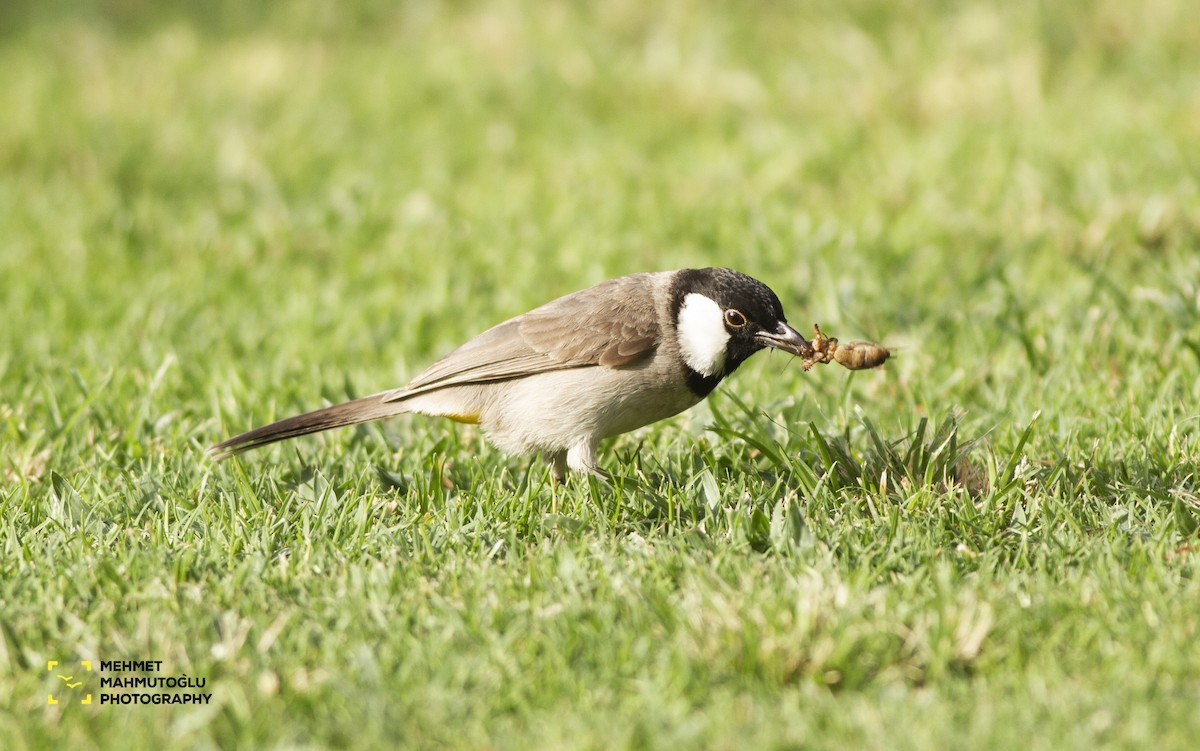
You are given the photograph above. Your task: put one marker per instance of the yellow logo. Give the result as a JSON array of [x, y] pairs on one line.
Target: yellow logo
[[69, 681]]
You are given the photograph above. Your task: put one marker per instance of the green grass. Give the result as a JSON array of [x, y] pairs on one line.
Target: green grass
[[212, 216]]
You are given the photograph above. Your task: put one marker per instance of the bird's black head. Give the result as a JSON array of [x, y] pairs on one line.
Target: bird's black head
[[721, 318]]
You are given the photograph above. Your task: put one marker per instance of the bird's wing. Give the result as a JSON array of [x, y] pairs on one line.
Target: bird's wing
[[613, 324]]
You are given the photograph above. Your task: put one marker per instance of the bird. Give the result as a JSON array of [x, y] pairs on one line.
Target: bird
[[593, 364]]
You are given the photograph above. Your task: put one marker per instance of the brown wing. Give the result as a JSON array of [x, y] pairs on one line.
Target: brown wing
[[612, 324]]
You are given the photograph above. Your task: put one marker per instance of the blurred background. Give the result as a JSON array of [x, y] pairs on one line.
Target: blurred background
[[217, 213]]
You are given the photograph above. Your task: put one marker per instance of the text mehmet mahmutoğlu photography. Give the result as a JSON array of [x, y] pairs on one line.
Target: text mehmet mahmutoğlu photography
[[123, 682]]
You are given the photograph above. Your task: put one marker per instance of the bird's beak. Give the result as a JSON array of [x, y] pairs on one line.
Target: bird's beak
[[786, 338]]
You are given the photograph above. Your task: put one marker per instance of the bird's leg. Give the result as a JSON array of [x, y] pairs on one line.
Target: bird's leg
[[582, 458], [558, 465]]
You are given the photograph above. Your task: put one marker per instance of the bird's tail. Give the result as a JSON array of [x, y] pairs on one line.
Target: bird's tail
[[351, 413]]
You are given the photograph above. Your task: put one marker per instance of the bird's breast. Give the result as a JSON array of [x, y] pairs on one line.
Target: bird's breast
[[554, 411]]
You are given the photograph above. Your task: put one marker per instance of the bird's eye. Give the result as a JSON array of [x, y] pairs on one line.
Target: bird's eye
[[734, 319]]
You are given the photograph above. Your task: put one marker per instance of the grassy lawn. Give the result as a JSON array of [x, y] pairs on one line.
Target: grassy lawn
[[212, 216]]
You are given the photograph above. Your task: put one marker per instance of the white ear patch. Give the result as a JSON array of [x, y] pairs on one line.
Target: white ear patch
[[702, 334]]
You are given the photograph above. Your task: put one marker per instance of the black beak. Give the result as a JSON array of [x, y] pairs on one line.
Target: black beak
[[786, 338]]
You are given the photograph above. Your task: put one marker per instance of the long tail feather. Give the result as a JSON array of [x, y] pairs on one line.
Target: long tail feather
[[351, 413]]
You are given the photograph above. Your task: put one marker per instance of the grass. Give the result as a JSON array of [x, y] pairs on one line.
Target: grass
[[215, 215]]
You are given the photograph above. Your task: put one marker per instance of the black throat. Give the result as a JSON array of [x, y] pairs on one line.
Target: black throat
[[699, 384]]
